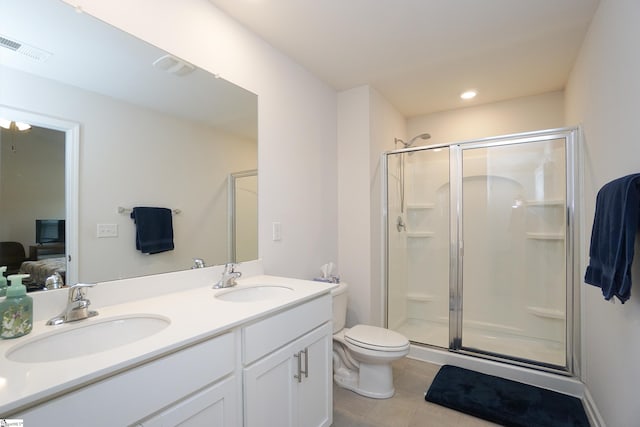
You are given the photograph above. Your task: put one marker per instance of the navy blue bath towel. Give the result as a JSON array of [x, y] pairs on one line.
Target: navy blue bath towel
[[154, 229], [613, 236]]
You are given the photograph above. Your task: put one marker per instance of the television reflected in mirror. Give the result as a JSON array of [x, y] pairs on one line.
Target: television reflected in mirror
[[50, 231]]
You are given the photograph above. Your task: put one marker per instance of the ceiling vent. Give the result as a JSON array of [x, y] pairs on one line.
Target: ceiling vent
[[24, 49], [173, 65]]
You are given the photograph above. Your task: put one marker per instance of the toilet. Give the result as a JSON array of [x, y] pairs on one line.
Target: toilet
[[362, 355]]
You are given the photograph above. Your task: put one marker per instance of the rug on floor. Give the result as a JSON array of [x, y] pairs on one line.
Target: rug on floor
[[503, 401]]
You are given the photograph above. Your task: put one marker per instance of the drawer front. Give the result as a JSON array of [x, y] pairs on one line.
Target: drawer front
[[273, 332], [138, 392], [215, 406]]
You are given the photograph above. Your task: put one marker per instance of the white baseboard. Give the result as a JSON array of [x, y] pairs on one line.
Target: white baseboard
[[592, 410]]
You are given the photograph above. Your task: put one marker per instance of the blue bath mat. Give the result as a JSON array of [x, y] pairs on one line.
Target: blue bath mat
[[505, 402]]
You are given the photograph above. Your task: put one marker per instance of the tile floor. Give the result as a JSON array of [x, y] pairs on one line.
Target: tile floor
[[407, 408]]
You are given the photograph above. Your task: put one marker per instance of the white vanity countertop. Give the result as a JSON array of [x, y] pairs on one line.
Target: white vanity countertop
[[194, 314]]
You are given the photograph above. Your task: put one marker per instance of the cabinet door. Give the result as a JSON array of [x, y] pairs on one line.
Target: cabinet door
[[214, 406], [143, 390], [315, 392], [270, 390], [275, 396]]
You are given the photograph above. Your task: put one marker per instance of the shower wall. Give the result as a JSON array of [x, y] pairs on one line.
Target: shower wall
[[419, 259], [513, 222]]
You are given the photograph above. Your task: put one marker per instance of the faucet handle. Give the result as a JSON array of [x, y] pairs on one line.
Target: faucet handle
[[78, 292]]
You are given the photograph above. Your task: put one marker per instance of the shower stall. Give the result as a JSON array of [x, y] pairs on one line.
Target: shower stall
[[480, 247]]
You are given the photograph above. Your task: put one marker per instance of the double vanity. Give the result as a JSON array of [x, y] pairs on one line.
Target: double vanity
[[169, 350]]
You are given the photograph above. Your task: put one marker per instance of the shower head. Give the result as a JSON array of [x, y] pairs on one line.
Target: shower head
[[412, 140]]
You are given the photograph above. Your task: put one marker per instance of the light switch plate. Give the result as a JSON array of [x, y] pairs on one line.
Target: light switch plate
[[107, 230]]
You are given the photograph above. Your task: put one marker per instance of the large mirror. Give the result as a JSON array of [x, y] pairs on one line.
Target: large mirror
[[166, 135]]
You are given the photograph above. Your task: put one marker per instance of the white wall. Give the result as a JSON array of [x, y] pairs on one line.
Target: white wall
[[604, 95], [524, 114], [367, 125], [354, 224], [297, 121]]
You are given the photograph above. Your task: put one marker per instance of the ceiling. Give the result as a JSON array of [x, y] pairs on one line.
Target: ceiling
[[421, 54]]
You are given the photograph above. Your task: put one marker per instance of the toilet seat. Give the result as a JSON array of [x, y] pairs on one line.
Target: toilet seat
[[375, 338]]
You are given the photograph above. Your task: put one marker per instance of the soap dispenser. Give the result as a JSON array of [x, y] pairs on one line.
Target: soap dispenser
[[16, 311], [3, 281]]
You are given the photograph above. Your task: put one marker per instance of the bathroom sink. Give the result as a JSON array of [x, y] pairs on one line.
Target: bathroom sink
[[253, 293], [82, 339]]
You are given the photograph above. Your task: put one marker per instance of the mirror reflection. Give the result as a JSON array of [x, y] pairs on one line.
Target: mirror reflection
[[166, 135]]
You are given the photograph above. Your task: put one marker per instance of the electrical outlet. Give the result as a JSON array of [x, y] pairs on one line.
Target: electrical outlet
[[107, 230]]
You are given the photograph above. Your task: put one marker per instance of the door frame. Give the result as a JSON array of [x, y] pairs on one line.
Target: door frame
[[72, 167]]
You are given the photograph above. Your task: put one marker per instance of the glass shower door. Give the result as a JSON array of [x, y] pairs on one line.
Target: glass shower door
[[513, 245], [418, 199]]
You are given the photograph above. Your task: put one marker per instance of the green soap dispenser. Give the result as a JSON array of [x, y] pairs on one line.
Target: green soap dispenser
[[3, 281], [16, 311]]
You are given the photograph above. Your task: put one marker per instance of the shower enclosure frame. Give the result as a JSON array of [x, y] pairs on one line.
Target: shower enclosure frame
[[572, 243]]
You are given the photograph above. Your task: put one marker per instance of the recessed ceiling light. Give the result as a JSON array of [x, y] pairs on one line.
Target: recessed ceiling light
[[469, 94]]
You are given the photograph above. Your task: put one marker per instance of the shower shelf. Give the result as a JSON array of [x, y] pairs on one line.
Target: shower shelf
[[420, 297], [546, 312], [418, 206], [420, 234], [550, 202], [545, 236]]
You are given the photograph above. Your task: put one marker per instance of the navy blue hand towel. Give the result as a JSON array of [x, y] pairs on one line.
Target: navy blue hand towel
[[613, 235], [154, 229]]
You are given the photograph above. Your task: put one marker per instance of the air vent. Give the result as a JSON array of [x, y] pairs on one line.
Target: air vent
[[173, 65], [24, 49], [9, 44]]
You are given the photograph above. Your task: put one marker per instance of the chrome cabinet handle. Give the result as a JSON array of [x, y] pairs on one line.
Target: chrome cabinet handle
[[298, 356], [306, 362], [299, 375]]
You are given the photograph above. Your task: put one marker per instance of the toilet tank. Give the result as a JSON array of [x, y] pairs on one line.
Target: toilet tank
[[340, 297]]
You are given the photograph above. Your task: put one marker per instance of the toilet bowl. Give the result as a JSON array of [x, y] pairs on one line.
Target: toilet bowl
[[362, 355]]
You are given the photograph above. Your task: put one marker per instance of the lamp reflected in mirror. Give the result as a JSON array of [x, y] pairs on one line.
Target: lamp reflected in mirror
[[12, 128]]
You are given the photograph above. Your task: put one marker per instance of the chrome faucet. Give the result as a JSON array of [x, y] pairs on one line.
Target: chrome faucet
[[77, 306], [198, 263], [229, 276]]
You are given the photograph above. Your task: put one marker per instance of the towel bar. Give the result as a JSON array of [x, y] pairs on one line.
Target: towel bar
[[122, 210]]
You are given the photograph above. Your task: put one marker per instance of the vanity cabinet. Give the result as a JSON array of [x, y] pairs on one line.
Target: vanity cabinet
[[195, 383], [290, 385], [274, 369]]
